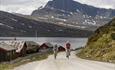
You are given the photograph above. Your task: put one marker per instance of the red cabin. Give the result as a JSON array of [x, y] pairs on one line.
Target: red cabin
[[61, 48], [45, 47]]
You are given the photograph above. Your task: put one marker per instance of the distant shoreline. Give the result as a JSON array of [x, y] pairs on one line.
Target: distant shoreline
[[18, 38]]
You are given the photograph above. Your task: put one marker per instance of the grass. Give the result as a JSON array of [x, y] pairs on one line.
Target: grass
[[23, 60], [101, 46]]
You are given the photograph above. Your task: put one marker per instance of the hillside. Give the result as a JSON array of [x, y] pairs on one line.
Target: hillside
[[12, 25], [101, 45]]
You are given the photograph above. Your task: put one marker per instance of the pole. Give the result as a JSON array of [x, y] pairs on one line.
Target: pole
[[36, 34]]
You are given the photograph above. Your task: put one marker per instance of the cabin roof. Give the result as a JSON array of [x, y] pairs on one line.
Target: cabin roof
[[17, 44], [60, 46], [48, 44], [31, 43], [6, 47]]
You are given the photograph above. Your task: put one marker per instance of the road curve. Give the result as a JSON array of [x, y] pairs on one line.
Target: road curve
[[62, 63]]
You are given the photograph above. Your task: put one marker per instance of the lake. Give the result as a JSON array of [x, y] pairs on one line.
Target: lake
[[75, 42]]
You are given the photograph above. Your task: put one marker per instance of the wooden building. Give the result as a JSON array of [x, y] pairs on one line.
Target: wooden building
[[61, 49], [20, 47], [7, 52], [13, 49], [24, 47], [46, 47], [32, 47]]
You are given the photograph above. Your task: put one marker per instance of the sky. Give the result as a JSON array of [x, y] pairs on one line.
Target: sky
[[27, 6]]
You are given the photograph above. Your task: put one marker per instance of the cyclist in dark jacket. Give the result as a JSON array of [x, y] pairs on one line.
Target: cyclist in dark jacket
[[55, 49], [68, 49]]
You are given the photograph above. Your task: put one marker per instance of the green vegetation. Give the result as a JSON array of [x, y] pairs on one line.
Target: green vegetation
[[23, 60], [113, 36], [101, 45]]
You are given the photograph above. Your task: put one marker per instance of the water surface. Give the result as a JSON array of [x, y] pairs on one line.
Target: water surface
[[75, 42]]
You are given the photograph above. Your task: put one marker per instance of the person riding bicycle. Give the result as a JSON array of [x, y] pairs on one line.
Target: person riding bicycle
[[68, 49], [55, 49]]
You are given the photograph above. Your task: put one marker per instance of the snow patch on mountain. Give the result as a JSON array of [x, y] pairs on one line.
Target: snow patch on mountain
[[14, 19], [1, 24]]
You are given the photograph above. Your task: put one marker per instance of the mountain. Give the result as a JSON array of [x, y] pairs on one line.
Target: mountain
[[101, 45], [73, 6], [14, 25], [75, 14]]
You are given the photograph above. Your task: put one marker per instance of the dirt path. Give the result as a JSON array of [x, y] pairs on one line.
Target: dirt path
[[62, 63]]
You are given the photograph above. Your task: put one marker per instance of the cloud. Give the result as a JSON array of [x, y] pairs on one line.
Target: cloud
[[21, 6], [19, 9], [10, 2], [99, 3], [27, 6]]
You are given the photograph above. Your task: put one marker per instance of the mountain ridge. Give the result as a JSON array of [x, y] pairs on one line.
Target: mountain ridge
[[12, 25], [70, 5]]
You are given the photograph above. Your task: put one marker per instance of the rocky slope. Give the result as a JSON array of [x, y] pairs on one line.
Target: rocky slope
[[74, 13], [73, 6], [12, 25], [101, 46]]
